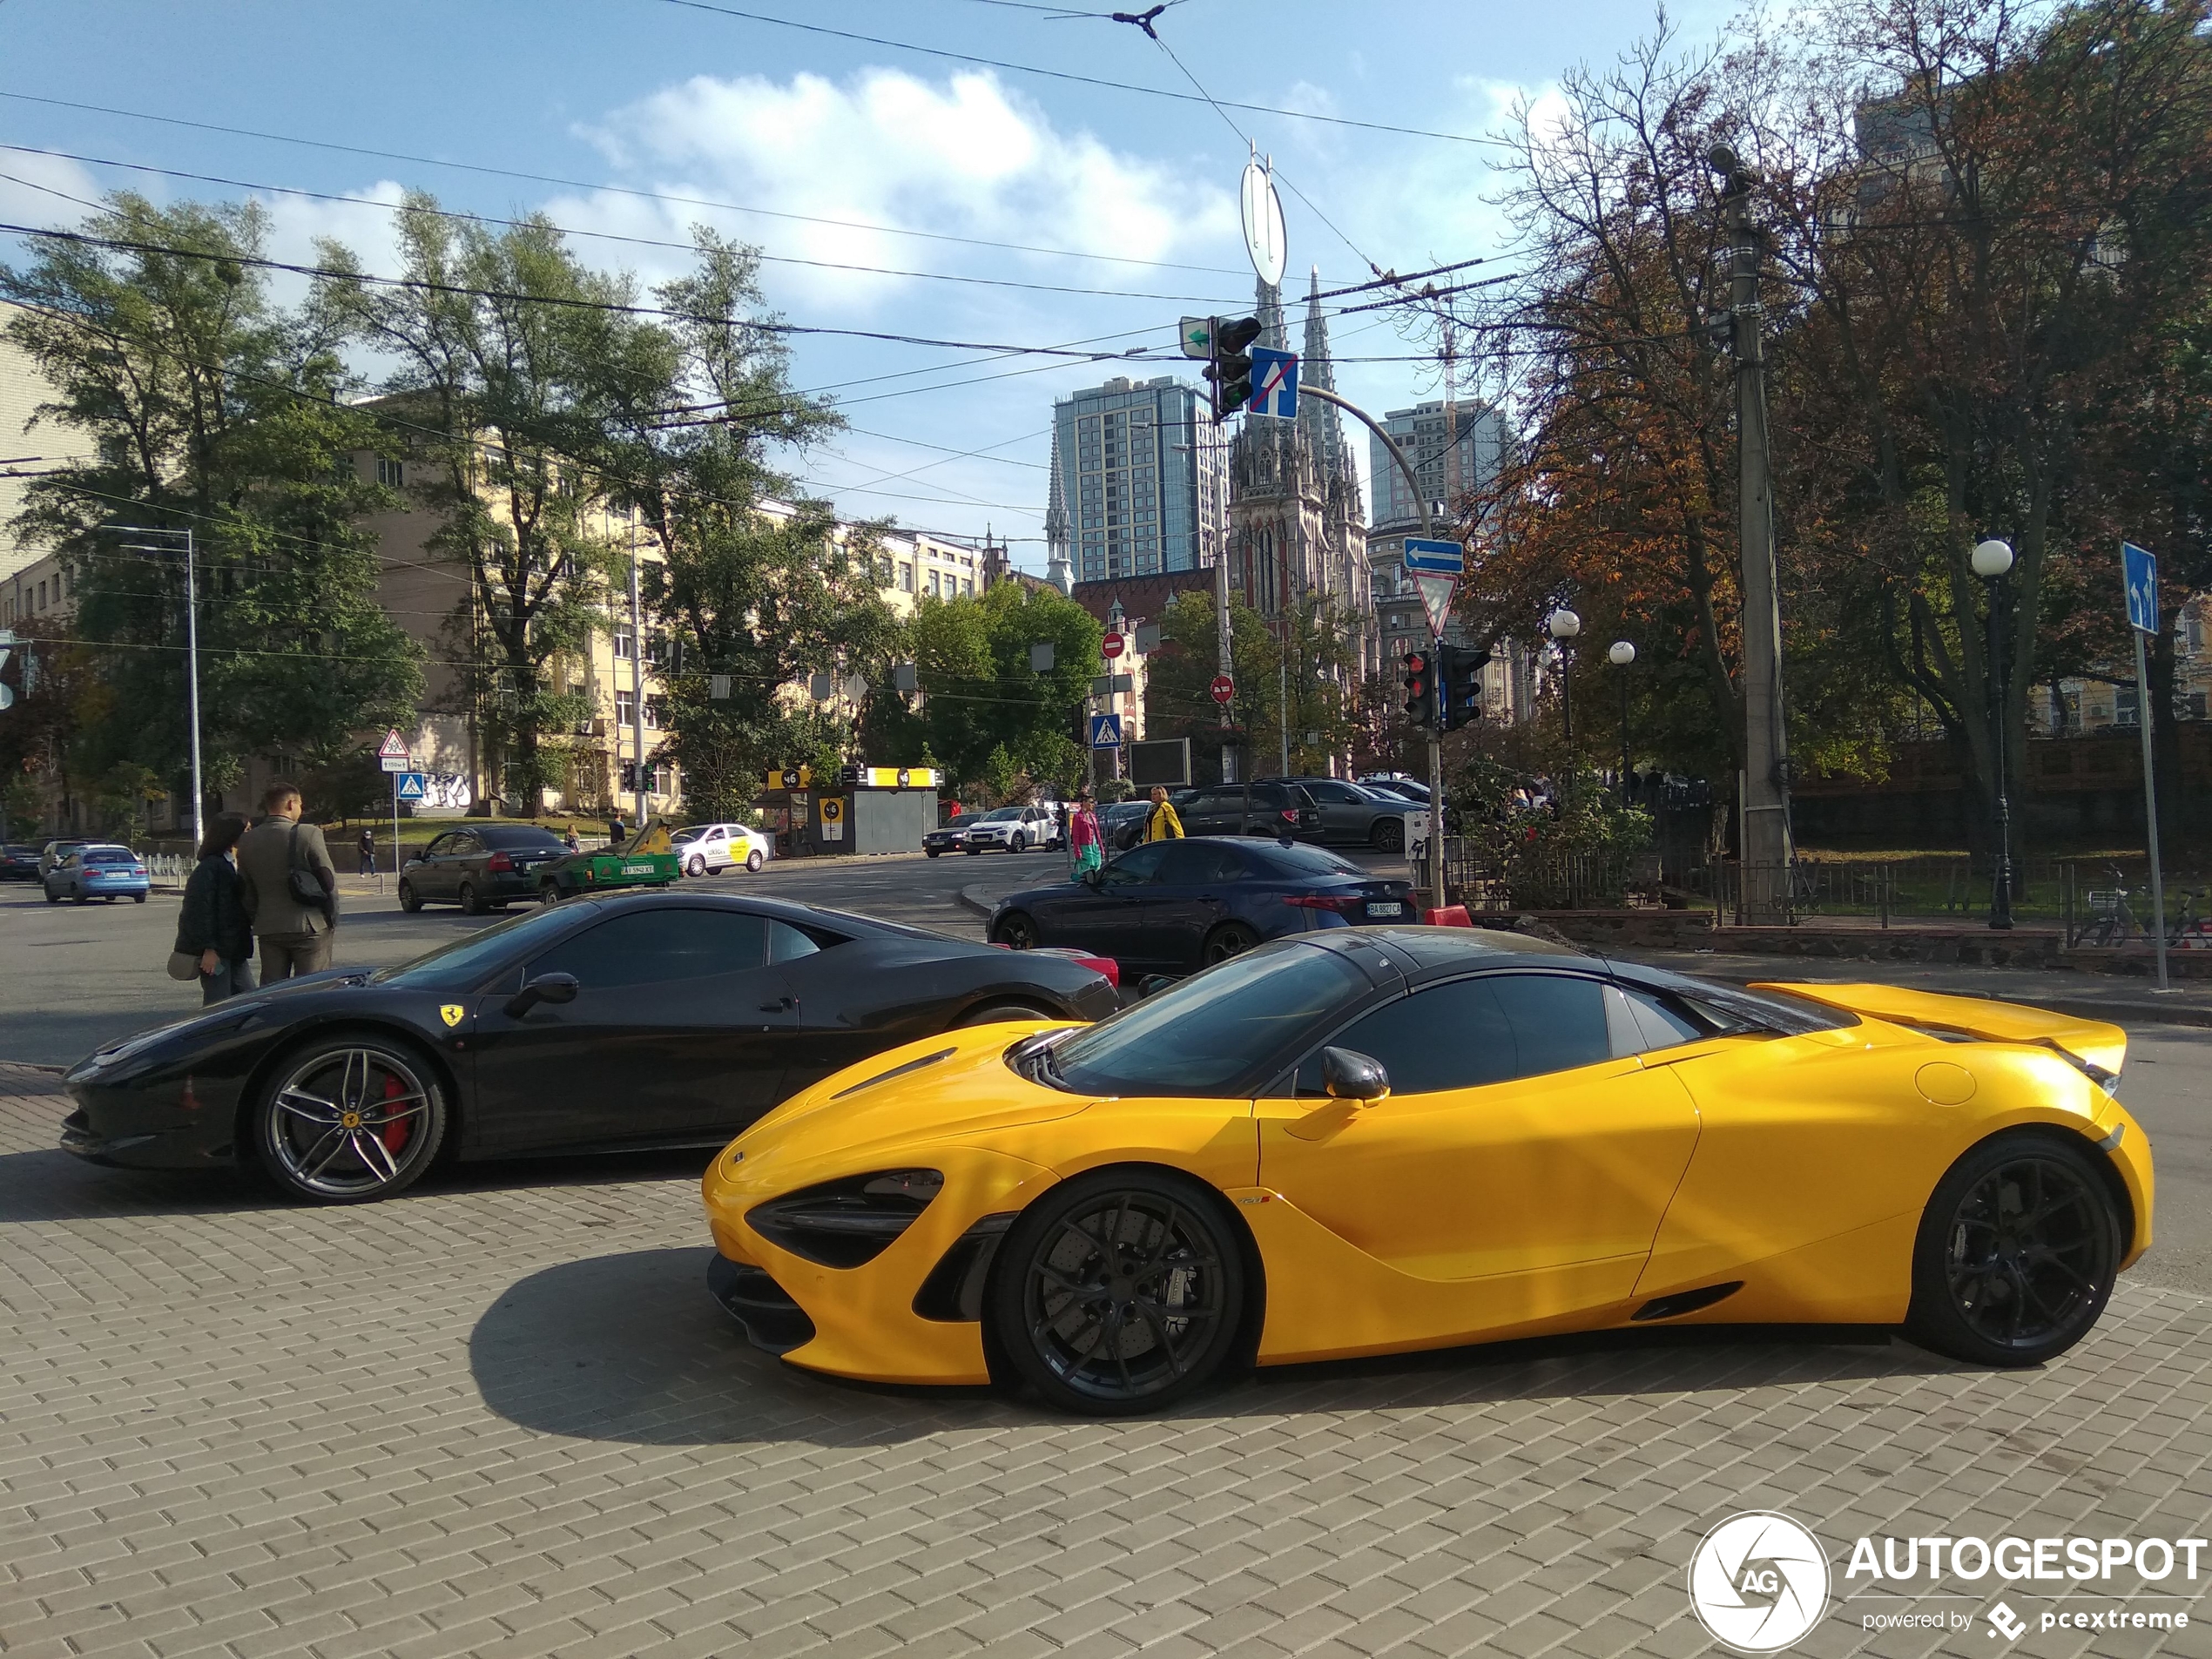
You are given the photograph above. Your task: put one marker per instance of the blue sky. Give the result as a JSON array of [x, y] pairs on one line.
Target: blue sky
[[652, 96]]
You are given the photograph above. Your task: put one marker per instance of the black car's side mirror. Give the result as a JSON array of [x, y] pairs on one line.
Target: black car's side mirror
[[1348, 1074], [546, 988]]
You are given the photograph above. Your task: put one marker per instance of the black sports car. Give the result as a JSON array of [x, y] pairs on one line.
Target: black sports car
[[615, 1022]]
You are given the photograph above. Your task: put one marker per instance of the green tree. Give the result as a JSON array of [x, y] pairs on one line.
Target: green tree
[[972, 660], [215, 410]]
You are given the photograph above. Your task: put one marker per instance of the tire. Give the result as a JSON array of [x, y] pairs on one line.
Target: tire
[[755, 858], [1016, 930], [470, 904], [1388, 834], [697, 866], [1230, 939], [927, 851], [1017, 842], [52, 897], [349, 1119], [1118, 1292], [973, 851], [2016, 1251], [410, 900], [548, 892], [138, 898], [80, 898], [999, 1013]]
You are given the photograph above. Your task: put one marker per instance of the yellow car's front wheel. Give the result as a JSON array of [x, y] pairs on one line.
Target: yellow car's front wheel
[[1120, 1291]]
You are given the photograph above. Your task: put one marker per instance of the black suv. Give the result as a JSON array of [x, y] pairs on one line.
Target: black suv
[[1282, 810]]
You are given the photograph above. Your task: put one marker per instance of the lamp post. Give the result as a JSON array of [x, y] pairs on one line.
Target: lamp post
[[1991, 560], [192, 656], [1563, 624], [1621, 653], [1116, 616]]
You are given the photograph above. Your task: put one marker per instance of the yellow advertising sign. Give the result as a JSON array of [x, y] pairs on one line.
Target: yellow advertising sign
[[791, 778], [891, 777]]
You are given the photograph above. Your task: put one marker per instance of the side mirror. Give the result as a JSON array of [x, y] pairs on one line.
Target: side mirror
[[1348, 1074], [546, 988]]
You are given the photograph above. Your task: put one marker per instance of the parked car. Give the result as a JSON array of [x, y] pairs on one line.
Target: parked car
[[1406, 788], [1172, 906], [1351, 1144], [18, 863], [609, 868], [1122, 825], [51, 860], [938, 842], [1015, 829], [482, 867], [615, 1022], [720, 846], [1354, 816], [95, 870], [1277, 809]]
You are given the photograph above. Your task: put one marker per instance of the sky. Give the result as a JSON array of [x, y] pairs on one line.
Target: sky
[[991, 208]]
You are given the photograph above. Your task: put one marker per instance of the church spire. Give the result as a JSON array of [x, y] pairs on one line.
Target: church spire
[[1267, 306], [1323, 426]]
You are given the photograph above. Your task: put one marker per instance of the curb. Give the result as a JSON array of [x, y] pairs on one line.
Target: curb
[[972, 897]]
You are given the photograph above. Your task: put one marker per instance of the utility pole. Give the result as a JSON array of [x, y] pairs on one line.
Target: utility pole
[[636, 674], [192, 656], [1222, 645], [1767, 853]]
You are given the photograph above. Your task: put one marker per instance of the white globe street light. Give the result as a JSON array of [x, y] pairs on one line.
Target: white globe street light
[[1621, 653], [1563, 624], [1993, 558]]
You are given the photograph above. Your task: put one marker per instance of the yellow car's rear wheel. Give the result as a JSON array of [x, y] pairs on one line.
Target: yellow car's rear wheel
[[1119, 1290], [2016, 1251]]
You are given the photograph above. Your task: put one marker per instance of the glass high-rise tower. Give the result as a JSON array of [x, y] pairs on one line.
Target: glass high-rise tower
[[1140, 481]]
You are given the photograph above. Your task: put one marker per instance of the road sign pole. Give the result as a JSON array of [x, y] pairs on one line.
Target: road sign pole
[[395, 836], [2150, 806]]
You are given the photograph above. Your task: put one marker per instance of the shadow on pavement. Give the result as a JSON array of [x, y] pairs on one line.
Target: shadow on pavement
[[631, 1348]]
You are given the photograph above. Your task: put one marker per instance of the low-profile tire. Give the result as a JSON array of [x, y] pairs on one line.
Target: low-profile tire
[[1120, 1291], [1230, 939], [470, 904], [410, 900], [2016, 1251], [999, 1013], [1016, 930], [697, 865], [348, 1119], [1388, 834], [755, 858]]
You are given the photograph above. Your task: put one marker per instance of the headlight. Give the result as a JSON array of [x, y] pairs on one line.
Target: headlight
[[845, 1224]]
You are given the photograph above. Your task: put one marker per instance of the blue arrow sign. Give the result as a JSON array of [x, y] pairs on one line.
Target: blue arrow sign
[[412, 786], [1105, 731], [2139, 568], [1435, 558], [1274, 383]]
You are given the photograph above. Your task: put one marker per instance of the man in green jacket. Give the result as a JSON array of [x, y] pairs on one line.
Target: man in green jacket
[[294, 932]]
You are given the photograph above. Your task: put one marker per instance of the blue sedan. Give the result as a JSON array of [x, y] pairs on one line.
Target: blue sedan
[[97, 872], [1173, 906]]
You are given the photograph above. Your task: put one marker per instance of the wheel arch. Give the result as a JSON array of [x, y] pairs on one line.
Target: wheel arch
[[2103, 1154], [341, 1025]]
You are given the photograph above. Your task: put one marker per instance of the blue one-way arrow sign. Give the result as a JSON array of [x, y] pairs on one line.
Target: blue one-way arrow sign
[[1105, 731], [1435, 558], [412, 786], [2140, 568]]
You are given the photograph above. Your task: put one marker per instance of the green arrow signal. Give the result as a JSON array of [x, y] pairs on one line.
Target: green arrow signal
[[1198, 337]]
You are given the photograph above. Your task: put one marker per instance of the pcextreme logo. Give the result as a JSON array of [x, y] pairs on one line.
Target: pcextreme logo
[[1758, 1581]]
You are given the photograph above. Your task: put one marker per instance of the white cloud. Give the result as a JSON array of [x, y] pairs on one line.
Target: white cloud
[[23, 201]]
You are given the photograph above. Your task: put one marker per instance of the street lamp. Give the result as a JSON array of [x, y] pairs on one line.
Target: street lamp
[[192, 656], [1990, 560], [1115, 617], [1621, 653], [1563, 624]]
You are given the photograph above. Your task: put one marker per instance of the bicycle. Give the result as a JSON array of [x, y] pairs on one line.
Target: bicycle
[[2190, 931], [2112, 920]]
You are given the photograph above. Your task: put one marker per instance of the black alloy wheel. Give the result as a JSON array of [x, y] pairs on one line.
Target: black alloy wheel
[[470, 904], [1389, 834], [1230, 939], [2016, 1251], [1119, 1290], [1016, 931], [348, 1119], [410, 900]]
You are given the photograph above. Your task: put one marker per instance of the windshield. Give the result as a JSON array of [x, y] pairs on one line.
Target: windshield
[[1201, 1036], [110, 855], [458, 966], [1000, 815]]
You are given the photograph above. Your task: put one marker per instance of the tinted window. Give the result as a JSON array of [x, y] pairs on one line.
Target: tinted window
[[441, 845], [1189, 863], [468, 961], [1138, 864], [1231, 799], [515, 839], [1271, 795], [1469, 1032], [464, 844], [1335, 794], [1662, 1022], [1298, 862], [786, 943], [658, 947], [1213, 1029]]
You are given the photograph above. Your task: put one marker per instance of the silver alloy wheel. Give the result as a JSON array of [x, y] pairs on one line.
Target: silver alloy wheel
[[698, 865], [349, 1122]]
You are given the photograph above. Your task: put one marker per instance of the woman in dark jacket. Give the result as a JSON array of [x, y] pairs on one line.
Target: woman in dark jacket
[[214, 925]]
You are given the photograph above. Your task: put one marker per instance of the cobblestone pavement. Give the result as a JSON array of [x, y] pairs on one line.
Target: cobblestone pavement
[[500, 1417]]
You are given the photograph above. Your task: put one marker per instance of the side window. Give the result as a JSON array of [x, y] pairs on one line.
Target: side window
[[1466, 1033], [787, 944], [658, 947], [1189, 863], [716, 834], [1273, 796], [1661, 1021], [1138, 865], [1558, 1021], [1331, 794], [441, 846], [464, 845]]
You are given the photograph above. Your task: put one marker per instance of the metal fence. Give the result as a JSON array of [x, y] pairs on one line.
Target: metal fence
[[1480, 880]]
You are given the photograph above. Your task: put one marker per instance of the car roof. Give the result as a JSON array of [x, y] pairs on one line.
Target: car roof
[[798, 914], [1436, 950]]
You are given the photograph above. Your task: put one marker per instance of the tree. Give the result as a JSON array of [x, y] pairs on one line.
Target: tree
[[1178, 680], [980, 696], [216, 411]]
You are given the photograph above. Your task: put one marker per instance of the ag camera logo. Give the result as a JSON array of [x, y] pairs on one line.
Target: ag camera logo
[[1758, 1581]]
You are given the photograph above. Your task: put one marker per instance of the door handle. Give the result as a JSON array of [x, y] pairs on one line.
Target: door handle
[[779, 1005]]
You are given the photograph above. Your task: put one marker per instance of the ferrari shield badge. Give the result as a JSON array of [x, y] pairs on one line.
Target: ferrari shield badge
[[450, 1013]]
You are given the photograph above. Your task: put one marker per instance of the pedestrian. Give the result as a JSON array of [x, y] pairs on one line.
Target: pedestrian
[[290, 887], [213, 926], [1082, 837], [369, 850], [570, 841], [614, 832], [1161, 824]]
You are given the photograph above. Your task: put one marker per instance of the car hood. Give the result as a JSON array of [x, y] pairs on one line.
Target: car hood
[[953, 1086]]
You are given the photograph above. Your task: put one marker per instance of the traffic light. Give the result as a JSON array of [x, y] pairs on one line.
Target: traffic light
[[1421, 690], [1458, 685], [1230, 365]]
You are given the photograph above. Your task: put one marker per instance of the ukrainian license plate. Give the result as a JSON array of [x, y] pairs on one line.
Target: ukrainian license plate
[[638, 869], [1385, 908]]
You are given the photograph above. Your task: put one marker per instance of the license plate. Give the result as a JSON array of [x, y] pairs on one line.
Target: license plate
[[638, 869], [1391, 907]]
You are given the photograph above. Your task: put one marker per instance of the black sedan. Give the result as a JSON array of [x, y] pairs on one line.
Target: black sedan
[[18, 863], [480, 869], [1172, 906], [612, 1023]]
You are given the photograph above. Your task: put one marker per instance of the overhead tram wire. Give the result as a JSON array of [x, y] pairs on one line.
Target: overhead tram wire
[[613, 189]]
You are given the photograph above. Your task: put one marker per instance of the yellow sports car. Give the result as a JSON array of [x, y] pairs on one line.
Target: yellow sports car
[[1373, 1140]]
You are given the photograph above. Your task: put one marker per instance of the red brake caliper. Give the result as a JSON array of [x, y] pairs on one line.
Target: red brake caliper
[[395, 1133]]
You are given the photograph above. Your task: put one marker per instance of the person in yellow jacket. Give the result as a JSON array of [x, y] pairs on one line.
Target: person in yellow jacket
[[1161, 824]]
